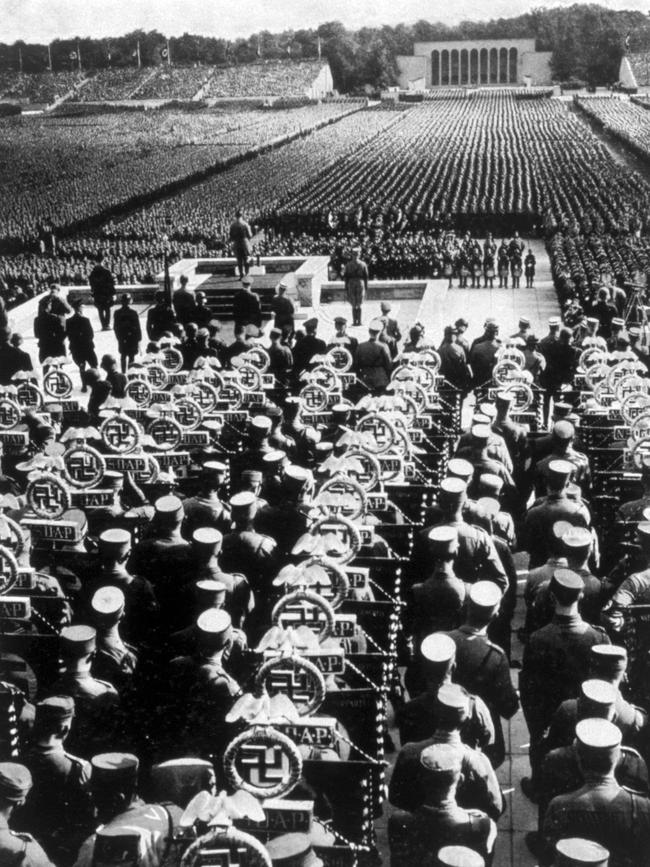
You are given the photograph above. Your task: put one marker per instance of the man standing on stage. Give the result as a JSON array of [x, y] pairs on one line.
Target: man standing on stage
[[355, 276], [240, 237], [102, 288]]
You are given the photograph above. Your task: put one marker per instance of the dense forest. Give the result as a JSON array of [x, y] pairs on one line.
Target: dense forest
[[587, 42]]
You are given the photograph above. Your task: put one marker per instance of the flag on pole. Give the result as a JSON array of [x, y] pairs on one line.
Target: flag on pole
[[319, 48], [627, 41], [259, 47]]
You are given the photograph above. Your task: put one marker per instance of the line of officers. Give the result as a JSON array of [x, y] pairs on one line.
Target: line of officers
[[589, 741], [152, 660], [153, 655]]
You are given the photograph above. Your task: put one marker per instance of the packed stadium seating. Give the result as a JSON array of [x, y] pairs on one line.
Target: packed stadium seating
[[41, 88], [112, 84], [76, 177], [272, 78]]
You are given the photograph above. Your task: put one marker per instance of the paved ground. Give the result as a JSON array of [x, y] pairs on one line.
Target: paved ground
[[441, 306]]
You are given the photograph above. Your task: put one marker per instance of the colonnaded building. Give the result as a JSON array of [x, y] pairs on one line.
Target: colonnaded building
[[474, 62]]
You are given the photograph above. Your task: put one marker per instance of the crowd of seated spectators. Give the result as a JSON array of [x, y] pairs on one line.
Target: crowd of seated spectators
[[268, 78], [38, 87]]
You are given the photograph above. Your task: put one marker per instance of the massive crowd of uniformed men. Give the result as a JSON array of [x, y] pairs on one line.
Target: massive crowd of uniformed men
[[153, 631]]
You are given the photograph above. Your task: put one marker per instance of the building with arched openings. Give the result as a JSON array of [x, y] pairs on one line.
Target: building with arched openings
[[474, 63]]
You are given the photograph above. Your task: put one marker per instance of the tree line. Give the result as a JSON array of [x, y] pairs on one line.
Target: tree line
[[586, 41]]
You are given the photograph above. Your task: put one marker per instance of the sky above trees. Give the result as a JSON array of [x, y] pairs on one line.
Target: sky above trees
[[44, 20]]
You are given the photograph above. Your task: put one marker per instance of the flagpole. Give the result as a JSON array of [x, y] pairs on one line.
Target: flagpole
[[49, 56], [138, 54], [78, 57], [169, 55], [319, 50]]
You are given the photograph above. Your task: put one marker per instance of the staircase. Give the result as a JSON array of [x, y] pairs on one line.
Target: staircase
[[220, 290]]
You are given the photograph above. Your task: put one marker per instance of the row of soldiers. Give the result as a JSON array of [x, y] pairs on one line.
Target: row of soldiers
[[152, 648]]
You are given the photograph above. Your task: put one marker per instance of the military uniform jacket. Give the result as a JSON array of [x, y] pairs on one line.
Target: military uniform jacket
[[373, 364], [478, 789], [556, 661], [634, 590], [126, 324], [477, 556], [561, 774], [627, 717], [482, 668], [538, 524], [20, 850], [246, 309], [60, 797], [417, 720], [283, 310], [414, 837], [607, 814], [184, 305]]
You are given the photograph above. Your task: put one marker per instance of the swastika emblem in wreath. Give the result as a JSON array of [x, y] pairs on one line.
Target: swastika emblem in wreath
[[172, 360], [314, 398], [29, 395], [166, 433], [84, 466], [10, 413], [189, 414], [120, 434], [8, 570], [340, 359], [48, 496], [249, 377], [297, 678], [58, 384], [139, 391], [263, 762], [157, 376], [232, 395], [205, 395]]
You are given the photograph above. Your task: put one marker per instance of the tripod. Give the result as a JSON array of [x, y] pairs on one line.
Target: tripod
[[635, 311]]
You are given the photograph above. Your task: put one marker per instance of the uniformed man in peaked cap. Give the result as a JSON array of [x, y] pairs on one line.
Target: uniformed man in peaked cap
[[481, 666], [478, 787], [416, 720], [202, 690], [141, 607], [289, 519], [601, 810], [96, 701], [244, 549], [355, 277], [115, 660], [556, 661], [556, 506], [440, 820], [17, 848], [373, 364], [58, 808], [477, 556], [141, 833], [205, 508]]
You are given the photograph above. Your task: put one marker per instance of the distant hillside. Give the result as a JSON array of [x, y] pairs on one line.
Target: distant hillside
[[587, 42]]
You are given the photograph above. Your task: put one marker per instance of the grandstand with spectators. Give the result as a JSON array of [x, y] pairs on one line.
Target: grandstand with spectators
[[267, 80]]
